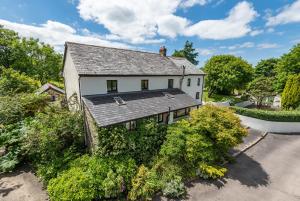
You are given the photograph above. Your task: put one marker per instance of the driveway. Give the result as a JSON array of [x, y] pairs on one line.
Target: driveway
[[269, 171], [21, 185]]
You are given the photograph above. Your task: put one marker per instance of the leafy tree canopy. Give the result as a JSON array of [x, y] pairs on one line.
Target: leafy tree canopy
[[266, 68], [291, 93], [30, 56], [289, 64], [189, 52], [226, 73], [260, 88], [13, 82]]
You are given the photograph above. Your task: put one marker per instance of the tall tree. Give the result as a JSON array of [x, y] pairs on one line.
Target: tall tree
[[226, 73], [189, 52], [266, 67], [289, 64], [29, 56], [291, 93]]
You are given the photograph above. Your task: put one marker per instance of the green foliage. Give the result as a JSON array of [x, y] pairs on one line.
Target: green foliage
[[189, 52], [266, 68], [92, 178], [29, 56], [260, 88], [291, 93], [226, 73], [289, 64], [211, 172], [53, 139], [280, 116], [142, 144], [13, 82], [16, 108], [174, 188]]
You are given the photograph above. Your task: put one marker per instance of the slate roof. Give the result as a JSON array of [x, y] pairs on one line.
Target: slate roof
[[106, 111], [105, 61], [48, 86]]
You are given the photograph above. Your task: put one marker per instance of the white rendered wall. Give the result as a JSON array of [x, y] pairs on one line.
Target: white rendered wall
[[71, 77], [270, 126], [97, 85], [191, 90]]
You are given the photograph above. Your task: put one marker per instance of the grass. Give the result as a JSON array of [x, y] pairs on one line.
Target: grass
[[221, 98]]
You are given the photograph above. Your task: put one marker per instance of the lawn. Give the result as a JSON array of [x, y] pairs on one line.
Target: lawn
[[221, 98]]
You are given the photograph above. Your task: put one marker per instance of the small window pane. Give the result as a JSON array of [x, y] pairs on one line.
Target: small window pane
[[197, 95], [160, 117], [199, 81], [112, 85], [145, 84], [170, 83], [189, 82]]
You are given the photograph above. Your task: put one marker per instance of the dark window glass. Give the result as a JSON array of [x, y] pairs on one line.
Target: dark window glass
[[144, 84], [189, 82], [197, 95], [179, 113], [199, 80], [112, 86], [160, 117], [187, 111], [170, 83]]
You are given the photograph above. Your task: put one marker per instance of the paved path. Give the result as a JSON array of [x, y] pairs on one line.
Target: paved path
[[269, 171], [21, 185]]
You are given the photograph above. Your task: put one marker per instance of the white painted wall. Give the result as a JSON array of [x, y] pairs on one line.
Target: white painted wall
[[97, 85], [191, 90], [270, 126], [71, 77]]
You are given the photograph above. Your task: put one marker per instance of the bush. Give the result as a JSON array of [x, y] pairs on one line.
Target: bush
[[99, 177], [291, 93], [174, 188], [53, 139], [211, 172], [13, 82], [16, 108], [280, 116]]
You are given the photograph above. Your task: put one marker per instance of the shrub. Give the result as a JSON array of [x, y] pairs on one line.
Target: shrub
[[280, 116], [13, 82], [100, 177], [15, 108], [291, 93], [211, 172], [174, 188]]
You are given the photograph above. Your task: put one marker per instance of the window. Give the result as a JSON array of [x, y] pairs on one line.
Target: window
[[197, 95], [170, 83], [112, 86], [130, 125], [199, 81], [189, 82], [160, 118], [179, 113], [53, 98], [187, 111], [145, 84]]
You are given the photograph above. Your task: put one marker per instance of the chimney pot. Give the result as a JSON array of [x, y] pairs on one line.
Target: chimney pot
[[163, 51]]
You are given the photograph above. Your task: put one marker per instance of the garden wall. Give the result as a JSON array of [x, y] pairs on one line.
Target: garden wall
[[270, 126]]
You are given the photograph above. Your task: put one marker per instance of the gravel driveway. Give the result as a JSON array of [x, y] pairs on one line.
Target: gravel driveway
[[21, 185], [269, 171]]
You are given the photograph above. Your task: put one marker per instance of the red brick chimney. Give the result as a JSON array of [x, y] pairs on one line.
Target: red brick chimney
[[163, 51]]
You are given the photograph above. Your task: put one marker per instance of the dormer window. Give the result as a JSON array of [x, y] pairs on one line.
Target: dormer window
[[189, 82], [144, 84], [112, 86]]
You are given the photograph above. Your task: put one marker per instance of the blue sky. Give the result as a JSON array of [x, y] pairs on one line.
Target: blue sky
[[252, 29]]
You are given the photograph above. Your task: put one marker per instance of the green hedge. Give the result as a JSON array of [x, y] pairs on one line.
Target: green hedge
[[281, 116]]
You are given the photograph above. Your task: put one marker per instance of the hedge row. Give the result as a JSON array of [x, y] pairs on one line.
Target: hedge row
[[280, 116]]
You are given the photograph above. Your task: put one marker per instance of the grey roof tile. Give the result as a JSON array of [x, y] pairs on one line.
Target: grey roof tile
[[97, 60], [106, 111]]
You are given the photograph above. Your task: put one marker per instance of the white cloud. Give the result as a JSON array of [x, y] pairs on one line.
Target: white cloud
[[191, 3], [256, 32], [234, 26], [241, 46], [56, 33], [289, 14], [205, 52], [137, 21], [267, 45]]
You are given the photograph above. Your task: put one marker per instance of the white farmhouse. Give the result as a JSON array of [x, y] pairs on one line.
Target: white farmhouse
[[119, 86]]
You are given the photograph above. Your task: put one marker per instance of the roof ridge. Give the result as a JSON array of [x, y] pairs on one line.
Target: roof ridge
[[117, 48]]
